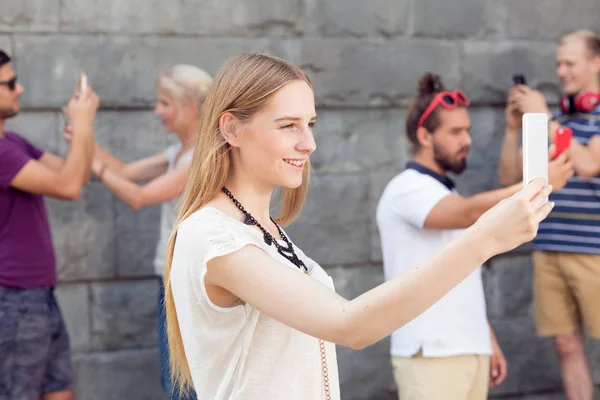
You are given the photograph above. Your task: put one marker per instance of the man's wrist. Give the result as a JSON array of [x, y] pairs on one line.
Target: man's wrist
[[82, 124]]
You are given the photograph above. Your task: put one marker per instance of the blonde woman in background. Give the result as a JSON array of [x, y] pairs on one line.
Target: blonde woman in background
[[250, 316], [181, 91]]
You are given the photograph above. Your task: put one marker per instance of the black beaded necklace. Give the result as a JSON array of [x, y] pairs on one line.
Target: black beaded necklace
[[287, 252]]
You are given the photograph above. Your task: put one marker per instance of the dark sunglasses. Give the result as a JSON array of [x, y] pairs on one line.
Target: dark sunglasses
[[12, 83], [448, 100]]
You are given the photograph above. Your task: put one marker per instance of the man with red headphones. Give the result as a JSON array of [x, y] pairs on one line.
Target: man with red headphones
[[566, 252]]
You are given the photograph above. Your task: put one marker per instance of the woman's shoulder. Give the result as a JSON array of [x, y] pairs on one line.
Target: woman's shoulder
[[209, 217], [205, 215], [211, 227]]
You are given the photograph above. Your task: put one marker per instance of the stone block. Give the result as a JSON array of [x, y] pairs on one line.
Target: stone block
[[132, 134], [29, 15], [121, 69], [138, 233], [334, 225], [6, 45], [124, 314], [119, 375], [355, 18], [83, 235], [550, 19], [207, 17], [40, 128], [75, 307], [593, 357], [364, 374], [358, 140], [461, 18], [487, 134], [374, 72], [509, 285], [488, 67], [532, 363]]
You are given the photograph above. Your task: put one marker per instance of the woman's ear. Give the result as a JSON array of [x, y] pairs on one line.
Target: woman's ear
[[229, 128]]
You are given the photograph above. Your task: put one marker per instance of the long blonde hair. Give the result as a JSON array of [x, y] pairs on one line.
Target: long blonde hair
[[242, 86]]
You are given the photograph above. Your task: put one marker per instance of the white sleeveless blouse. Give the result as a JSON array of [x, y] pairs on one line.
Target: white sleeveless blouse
[[238, 352]]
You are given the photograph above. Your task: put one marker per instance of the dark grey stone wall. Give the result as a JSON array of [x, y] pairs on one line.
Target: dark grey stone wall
[[364, 58]]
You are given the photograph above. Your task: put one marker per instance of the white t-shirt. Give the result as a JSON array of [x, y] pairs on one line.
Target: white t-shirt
[[457, 323], [239, 352], [169, 209]]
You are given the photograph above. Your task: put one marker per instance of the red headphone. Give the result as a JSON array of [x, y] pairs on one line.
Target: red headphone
[[581, 102]]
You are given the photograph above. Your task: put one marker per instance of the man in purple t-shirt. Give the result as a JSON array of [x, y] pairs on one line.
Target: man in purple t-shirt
[[34, 344]]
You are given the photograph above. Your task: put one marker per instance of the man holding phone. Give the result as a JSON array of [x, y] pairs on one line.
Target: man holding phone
[[567, 249], [34, 344]]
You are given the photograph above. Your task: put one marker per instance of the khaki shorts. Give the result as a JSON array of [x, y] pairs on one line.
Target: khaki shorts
[[448, 378], [566, 291]]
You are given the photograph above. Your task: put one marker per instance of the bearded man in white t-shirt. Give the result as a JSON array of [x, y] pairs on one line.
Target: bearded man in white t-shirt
[[449, 352]]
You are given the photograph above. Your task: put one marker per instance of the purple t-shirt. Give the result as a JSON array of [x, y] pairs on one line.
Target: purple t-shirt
[[27, 257]]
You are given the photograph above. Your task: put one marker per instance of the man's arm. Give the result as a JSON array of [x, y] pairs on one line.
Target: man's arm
[[510, 162], [457, 212], [52, 161], [586, 159], [497, 361], [55, 163], [66, 182], [41, 177]]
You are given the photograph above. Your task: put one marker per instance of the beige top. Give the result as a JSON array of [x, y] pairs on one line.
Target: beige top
[[239, 352]]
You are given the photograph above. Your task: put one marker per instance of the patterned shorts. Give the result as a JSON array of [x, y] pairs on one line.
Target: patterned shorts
[[34, 345]]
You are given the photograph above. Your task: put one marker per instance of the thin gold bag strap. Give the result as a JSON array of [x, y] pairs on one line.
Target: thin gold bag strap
[[325, 372]]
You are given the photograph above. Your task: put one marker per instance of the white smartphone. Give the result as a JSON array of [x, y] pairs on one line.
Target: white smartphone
[[83, 82], [535, 147]]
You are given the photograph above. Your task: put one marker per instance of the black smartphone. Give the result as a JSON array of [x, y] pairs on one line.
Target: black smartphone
[[519, 79]]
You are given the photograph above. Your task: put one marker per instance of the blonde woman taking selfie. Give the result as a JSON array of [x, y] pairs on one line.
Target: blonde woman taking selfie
[[249, 315]]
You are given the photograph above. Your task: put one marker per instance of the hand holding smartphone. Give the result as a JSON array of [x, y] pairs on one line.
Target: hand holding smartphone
[[519, 79], [83, 83], [81, 87]]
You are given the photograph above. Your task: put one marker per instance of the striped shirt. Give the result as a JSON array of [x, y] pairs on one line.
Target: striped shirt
[[574, 224]]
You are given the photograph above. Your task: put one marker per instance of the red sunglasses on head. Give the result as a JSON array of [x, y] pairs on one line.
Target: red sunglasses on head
[[448, 100]]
